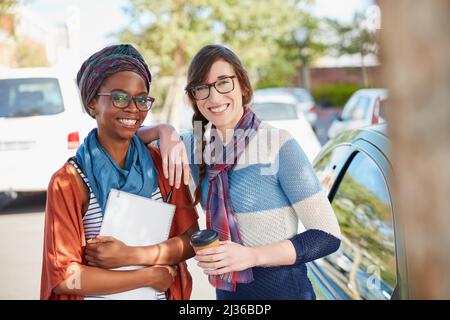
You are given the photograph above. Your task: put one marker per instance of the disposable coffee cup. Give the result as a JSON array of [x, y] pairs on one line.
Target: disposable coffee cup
[[203, 239]]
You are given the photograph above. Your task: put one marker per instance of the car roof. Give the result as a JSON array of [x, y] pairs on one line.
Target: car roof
[[283, 89], [376, 135], [18, 73], [275, 98], [372, 91], [295, 91]]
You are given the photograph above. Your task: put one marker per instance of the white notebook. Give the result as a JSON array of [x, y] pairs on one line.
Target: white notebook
[[137, 221]]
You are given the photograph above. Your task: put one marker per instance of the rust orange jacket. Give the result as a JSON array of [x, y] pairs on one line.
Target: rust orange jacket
[[64, 240]]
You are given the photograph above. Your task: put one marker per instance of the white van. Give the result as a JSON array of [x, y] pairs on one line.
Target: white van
[[42, 122]]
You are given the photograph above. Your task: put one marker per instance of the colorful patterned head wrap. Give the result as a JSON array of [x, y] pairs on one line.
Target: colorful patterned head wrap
[[104, 64]]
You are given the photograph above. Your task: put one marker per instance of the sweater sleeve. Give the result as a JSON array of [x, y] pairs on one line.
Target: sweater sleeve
[[63, 235], [304, 192]]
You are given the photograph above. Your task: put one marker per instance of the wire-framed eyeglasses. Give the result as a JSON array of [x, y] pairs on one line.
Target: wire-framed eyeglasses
[[121, 100], [223, 85]]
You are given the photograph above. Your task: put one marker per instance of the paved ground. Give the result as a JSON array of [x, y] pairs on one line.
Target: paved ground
[[21, 236], [325, 118]]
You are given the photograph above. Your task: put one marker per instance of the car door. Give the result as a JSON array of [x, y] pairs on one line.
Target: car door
[[365, 265]]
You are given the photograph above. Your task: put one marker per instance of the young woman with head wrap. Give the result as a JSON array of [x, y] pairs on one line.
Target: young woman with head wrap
[[114, 84]]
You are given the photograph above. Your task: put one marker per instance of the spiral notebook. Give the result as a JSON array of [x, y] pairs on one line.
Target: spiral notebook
[[136, 221]]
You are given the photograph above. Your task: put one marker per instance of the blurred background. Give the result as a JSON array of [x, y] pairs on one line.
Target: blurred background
[[325, 47], [319, 69]]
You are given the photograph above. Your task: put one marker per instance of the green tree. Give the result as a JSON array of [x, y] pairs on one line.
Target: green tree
[[6, 5], [295, 53], [170, 32], [354, 37], [255, 29], [30, 53], [21, 51]]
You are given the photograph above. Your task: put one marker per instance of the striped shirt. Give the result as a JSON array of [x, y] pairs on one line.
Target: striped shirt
[[93, 218]]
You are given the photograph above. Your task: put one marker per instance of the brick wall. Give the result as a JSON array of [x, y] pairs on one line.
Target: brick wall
[[350, 75]]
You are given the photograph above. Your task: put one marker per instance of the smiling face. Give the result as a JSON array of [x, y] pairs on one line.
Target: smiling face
[[224, 110], [116, 124]]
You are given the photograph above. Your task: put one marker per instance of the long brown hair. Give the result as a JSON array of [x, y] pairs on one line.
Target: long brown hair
[[197, 74]]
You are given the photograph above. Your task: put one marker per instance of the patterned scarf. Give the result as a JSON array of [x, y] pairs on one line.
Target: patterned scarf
[[138, 177], [219, 212]]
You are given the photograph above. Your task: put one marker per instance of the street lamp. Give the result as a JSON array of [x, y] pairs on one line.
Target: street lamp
[[301, 35]]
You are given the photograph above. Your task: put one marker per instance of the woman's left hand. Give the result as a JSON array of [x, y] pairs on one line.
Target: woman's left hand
[[107, 253], [228, 257]]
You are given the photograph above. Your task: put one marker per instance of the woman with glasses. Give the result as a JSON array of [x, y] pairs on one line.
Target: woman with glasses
[[256, 185], [114, 84]]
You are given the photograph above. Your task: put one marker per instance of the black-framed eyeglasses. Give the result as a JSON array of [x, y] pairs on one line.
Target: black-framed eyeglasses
[[121, 100], [223, 85]]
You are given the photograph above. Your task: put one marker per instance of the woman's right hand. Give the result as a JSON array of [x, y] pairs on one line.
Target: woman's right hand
[[161, 277]]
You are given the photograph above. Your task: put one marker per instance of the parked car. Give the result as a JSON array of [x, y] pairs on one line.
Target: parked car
[[365, 107], [42, 122], [354, 168], [304, 101], [282, 111]]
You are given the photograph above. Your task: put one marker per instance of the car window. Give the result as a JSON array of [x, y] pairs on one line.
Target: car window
[[383, 110], [302, 95], [273, 111], [365, 264], [30, 97], [357, 109], [326, 167]]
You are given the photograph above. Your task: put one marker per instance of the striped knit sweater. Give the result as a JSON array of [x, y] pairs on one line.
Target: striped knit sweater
[[275, 193]]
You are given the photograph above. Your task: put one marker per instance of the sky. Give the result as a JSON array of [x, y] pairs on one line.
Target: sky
[[339, 9], [98, 19], [101, 18]]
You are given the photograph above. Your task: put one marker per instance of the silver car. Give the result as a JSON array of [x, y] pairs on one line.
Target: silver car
[[282, 111], [304, 101], [364, 108]]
